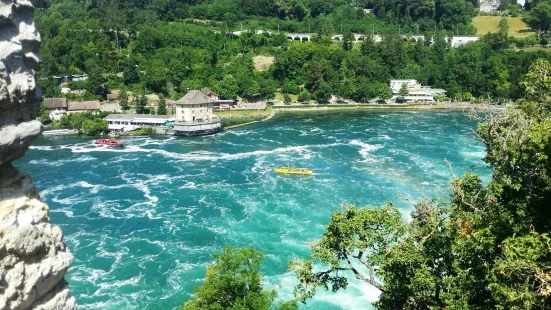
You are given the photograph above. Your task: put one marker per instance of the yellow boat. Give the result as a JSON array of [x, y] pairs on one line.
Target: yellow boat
[[289, 170]]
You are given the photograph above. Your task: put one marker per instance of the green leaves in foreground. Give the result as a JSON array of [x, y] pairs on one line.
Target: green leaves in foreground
[[233, 282]]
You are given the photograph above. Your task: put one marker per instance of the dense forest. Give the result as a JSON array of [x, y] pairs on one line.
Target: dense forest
[[168, 46]]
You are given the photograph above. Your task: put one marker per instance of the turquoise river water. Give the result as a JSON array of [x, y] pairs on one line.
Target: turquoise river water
[[143, 221]]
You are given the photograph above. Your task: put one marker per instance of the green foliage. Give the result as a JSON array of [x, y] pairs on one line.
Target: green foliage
[[347, 41], [94, 127], [403, 90], [233, 282], [140, 102], [303, 96], [130, 74], [539, 16], [144, 131], [94, 83], [161, 107], [488, 247], [323, 93], [227, 88], [124, 101], [287, 98], [156, 79], [290, 88], [43, 114]]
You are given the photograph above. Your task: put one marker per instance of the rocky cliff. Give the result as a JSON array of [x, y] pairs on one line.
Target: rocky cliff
[[33, 257]]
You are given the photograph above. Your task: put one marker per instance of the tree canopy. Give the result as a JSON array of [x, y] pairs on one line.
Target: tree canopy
[[233, 282]]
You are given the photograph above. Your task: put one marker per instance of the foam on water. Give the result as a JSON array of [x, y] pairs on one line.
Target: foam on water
[[143, 221]]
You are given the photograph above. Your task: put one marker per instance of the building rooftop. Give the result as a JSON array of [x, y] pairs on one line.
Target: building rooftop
[[194, 97], [207, 91], [84, 105], [54, 103], [137, 116]]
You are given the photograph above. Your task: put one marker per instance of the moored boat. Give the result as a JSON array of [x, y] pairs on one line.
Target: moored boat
[[289, 170], [109, 142], [60, 132]]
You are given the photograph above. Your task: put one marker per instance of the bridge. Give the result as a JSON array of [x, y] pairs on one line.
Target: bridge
[[305, 37]]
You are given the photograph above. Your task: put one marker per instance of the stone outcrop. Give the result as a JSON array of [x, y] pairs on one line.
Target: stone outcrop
[[33, 257]]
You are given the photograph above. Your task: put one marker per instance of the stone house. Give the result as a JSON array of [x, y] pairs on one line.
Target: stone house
[[194, 115]]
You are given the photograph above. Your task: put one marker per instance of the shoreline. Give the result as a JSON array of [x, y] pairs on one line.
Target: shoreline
[[329, 107], [358, 107]]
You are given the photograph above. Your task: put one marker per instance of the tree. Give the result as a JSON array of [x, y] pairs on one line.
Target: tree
[[499, 40], [123, 103], [347, 41], [140, 102], [540, 16], [155, 79], [94, 83], [488, 247], [290, 88], [286, 98], [161, 107], [323, 93], [368, 47], [93, 127], [227, 88], [233, 282], [130, 74], [382, 91], [304, 96], [404, 91]]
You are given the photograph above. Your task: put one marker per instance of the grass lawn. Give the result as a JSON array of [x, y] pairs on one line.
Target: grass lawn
[[279, 97], [262, 62], [517, 28], [243, 113]]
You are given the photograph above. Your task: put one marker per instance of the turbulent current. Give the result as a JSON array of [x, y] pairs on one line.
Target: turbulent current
[[144, 220]]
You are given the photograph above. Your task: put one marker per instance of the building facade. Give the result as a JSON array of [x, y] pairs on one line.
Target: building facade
[[489, 6], [194, 115], [129, 122], [416, 92]]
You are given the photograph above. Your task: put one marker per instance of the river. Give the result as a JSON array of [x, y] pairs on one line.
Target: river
[[143, 221]]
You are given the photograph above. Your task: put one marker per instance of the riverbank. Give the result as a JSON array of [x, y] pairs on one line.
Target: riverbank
[[237, 118], [438, 106]]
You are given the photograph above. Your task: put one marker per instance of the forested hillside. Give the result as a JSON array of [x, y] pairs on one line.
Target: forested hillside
[[169, 46]]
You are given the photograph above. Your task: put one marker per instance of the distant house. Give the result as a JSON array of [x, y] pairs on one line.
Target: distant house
[[218, 104], [489, 6], [67, 90], [416, 92], [57, 107], [113, 97], [83, 106], [69, 78], [212, 95], [223, 105]]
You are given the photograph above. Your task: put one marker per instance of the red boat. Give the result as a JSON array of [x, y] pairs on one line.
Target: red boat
[[109, 142]]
